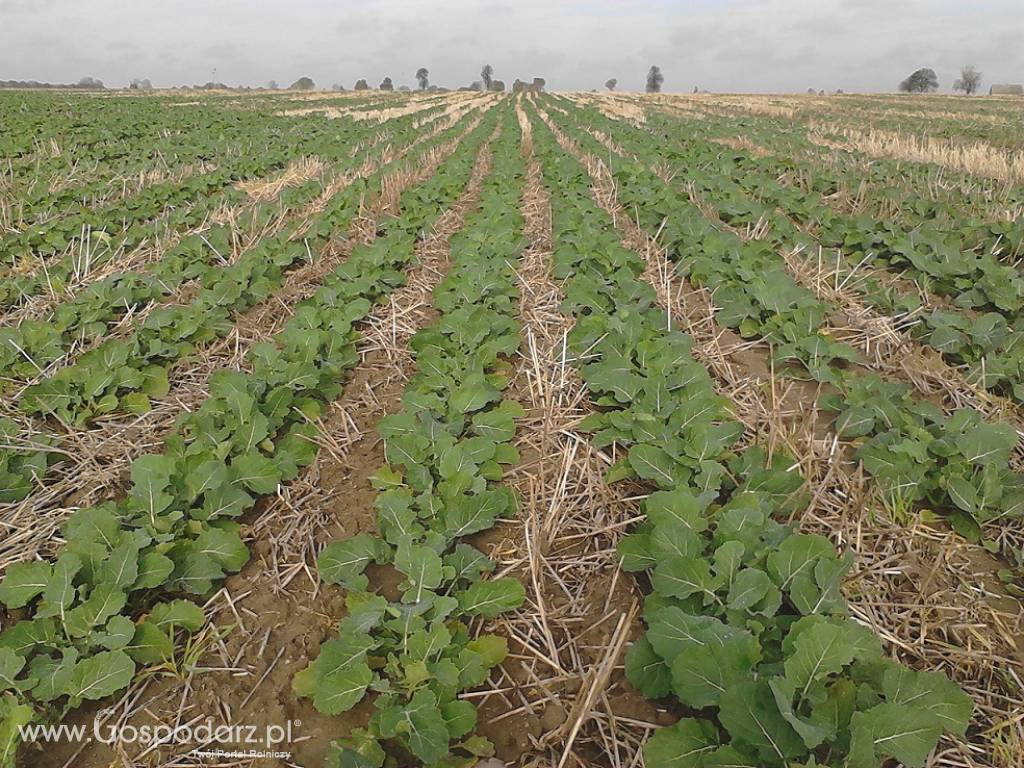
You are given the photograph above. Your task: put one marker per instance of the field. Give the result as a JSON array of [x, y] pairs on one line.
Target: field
[[478, 429]]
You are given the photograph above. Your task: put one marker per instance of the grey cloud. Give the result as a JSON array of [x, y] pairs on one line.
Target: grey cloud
[[754, 45]]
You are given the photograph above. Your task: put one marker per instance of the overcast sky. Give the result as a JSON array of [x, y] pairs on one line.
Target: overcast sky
[[723, 45]]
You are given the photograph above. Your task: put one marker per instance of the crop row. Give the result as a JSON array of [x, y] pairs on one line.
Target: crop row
[[957, 463], [123, 374], [175, 531], [747, 626], [102, 143], [983, 332], [905, 191], [34, 344], [85, 239], [444, 450], [938, 174]]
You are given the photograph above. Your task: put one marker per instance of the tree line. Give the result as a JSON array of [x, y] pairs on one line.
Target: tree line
[[487, 82], [925, 80]]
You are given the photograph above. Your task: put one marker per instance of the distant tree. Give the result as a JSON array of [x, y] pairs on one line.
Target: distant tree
[[610, 83], [90, 82], [538, 84], [476, 85], [498, 85], [970, 80], [302, 84], [487, 76], [423, 78], [361, 86], [272, 85], [137, 84], [519, 86], [337, 87], [654, 80], [921, 81], [386, 84]]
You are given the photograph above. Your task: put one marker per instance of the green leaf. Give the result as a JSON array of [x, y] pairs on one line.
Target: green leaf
[[493, 597], [683, 576], [52, 676], [422, 566], [179, 613], [678, 507], [855, 422], [931, 691], [256, 472], [208, 475], [727, 560], [822, 648], [987, 443], [151, 478], [13, 717], [647, 670], [654, 464], [99, 676], [796, 555], [26, 635], [396, 519], [703, 672], [473, 394], [427, 731], [635, 553], [60, 590], [23, 582], [682, 745], [892, 730], [496, 424], [360, 750], [672, 630], [343, 562], [226, 547], [459, 718], [342, 688], [150, 644], [469, 514], [10, 665], [122, 566], [136, 402], [749, 588], [492, 649], [117, 634], [812, 733], [105, 601], [154, 569], [749, 713]]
